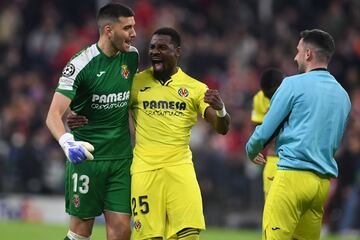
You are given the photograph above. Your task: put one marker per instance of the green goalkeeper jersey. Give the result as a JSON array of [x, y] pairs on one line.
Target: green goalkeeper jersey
[[99, 87]]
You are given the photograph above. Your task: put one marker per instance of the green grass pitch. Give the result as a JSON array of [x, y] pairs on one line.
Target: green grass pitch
[[36, 231]]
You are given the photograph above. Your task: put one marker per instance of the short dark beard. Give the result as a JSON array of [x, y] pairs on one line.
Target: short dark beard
[[301, 69]]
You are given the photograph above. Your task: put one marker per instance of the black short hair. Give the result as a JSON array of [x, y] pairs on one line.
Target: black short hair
[[322, 41], [111, 12], [270, 80], [175, 36]]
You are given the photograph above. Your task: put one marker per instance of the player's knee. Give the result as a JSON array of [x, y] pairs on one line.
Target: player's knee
[[73, 236], [117, 226], [121, 232], [189, 234]]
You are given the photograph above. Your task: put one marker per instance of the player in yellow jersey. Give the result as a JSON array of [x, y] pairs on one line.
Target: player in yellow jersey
[[165, 103], [270, 80], [308, 131]]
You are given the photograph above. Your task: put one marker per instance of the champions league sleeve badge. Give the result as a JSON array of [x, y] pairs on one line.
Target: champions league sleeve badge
[[68, 70]]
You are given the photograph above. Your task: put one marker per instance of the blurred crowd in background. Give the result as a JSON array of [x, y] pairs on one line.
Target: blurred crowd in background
[[226, 44]]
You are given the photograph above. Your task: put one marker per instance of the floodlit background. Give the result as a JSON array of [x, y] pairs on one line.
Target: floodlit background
[[226, 44]]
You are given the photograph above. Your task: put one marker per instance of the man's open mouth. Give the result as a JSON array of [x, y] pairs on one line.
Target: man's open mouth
[[157, 64]]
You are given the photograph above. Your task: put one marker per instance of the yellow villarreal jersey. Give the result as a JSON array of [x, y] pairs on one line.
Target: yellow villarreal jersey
[[163, 117], [261, 105]]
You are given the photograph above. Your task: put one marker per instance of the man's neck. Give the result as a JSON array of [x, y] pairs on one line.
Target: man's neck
[[162, 77], [105, 45], [313, 66], [166, 76]]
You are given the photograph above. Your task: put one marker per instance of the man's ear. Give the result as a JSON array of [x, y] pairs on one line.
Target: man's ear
[[309, 54], [178, 51], [107, 30]]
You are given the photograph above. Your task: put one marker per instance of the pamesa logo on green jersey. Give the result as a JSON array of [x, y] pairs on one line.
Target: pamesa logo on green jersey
[[110, 101]]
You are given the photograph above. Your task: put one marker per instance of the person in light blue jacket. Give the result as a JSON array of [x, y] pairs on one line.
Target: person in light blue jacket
[[308, 115]]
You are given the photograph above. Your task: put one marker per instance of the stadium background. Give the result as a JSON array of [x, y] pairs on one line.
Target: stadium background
[[226, 44]]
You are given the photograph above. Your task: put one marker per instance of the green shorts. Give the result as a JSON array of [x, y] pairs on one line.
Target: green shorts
[[93, 187]]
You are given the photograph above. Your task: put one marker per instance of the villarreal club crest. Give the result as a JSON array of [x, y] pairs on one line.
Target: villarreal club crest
[[137, 225], [183, 92], [76, 200], [124, 71]]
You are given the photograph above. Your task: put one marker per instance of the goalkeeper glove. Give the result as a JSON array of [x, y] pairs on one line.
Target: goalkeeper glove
[[76, 151]]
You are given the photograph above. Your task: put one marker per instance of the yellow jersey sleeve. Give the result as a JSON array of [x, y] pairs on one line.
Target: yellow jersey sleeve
[[201, 105], [261, 105]]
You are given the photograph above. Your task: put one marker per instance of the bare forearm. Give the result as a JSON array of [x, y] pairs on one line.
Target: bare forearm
[[216, 113], [58, 107], [55, 125], [222, 124], [219, 124]]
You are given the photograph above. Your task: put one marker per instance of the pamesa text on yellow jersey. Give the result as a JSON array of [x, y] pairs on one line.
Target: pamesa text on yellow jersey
[[164, 114]]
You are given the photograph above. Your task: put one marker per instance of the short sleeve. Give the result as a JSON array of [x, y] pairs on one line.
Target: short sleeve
[[201, 105], [69, 80]]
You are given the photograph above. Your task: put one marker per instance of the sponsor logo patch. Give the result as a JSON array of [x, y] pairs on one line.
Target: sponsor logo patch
[[271, 178], [164, 108], [144, 89], [164, 105], [110, 101], [100, 73]]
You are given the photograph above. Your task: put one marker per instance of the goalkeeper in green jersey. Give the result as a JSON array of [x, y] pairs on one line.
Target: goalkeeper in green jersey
[[96, 82]]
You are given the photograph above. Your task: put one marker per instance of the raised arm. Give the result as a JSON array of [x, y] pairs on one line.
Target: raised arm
[[216, 114]]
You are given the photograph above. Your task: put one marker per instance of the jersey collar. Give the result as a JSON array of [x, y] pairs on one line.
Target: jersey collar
[[103, 54], [318, 69], [174, 77], [177, 75]]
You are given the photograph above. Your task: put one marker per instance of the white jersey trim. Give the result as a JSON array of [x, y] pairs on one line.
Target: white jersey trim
[[133, 49], [74, 67]]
